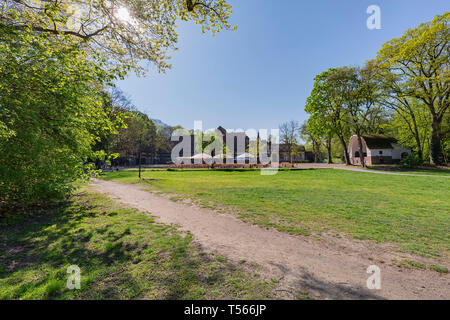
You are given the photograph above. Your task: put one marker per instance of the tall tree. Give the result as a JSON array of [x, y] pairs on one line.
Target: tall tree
[[140, 135], [358, 93], [288, 136], [420, 66], [309, 136], [325, 106], [322, 133]]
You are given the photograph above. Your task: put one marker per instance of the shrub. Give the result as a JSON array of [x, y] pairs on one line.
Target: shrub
[[410, 161], [52, 111]]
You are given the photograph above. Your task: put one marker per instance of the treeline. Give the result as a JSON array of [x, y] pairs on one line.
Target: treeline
[[403, 92], [57, 60], [139, 135]]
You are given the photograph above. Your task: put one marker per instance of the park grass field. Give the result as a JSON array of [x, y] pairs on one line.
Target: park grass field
[[410, 212], [122, 254], [423, 171]]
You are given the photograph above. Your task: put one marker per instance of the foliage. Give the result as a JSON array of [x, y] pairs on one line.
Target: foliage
[[139, 135], [310, 137], [56, 59], [327, 115], [289, 133], [411, 128], [120, 32], [51, 111], [418, 66], [404, 92], [410, 161], [344, 100]]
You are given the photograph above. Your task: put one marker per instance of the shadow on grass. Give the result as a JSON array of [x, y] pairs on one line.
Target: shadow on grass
[[122, 254]]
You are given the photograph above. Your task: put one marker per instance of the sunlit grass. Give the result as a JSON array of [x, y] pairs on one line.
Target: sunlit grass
[[122, 254], [413, 212]]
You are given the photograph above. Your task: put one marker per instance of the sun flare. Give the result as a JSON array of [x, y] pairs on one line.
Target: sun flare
[[124, 15]]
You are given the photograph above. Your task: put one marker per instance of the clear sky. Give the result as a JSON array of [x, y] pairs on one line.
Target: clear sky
[[260, 75]]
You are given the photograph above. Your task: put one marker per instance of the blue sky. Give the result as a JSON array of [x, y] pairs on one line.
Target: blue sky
[[260, 75]]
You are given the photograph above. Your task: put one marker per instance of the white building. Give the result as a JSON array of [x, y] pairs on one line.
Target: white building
[[377, 149]]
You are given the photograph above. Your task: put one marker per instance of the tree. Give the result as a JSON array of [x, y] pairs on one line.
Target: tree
[[288, 136], [309, 136], [409, 121], [329, 117], [322, 133], [122, 33], [140, 135], [56, 59], [52, 113], [117, 108], [419, 65], [358, 92]]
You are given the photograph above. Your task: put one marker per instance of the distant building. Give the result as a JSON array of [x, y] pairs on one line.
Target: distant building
[[237, 142], [232, 141], [377, 149], [298, 153]]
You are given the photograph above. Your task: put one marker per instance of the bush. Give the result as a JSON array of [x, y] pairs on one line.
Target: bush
[[51, 116], [410, 161]]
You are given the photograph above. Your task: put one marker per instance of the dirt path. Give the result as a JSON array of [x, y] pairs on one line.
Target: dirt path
[[392, 173], [328, 269], [339, 166]]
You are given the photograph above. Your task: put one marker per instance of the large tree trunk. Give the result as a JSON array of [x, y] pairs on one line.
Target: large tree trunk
[[139, 160], [328, 145], [361, 154], [417, 138], [419, 147], [435, 141], [344, 145], [316, 151]]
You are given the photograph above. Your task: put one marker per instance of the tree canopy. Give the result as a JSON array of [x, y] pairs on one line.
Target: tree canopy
[[404, 91], [418, 66], [57, 60], [123, 33]]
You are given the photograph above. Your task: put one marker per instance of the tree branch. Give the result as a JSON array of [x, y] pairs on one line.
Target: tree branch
[[64, 32]]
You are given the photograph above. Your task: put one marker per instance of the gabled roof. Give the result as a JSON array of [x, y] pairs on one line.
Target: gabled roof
[[378, 141]]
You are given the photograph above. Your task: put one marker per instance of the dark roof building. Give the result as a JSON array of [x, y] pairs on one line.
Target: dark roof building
[[377, 149]]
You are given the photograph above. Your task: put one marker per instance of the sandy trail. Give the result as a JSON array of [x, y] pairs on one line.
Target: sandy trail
[[331, 268]]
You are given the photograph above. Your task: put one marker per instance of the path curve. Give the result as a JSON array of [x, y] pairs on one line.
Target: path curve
[[325, 269], [392, 173], [340, 166]]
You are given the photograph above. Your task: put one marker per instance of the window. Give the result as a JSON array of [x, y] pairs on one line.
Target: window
[[357, 154], [381, 152], [365, 154]]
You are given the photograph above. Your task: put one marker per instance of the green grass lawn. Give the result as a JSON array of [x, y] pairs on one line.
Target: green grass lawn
[[412, 212], [122, 254]]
